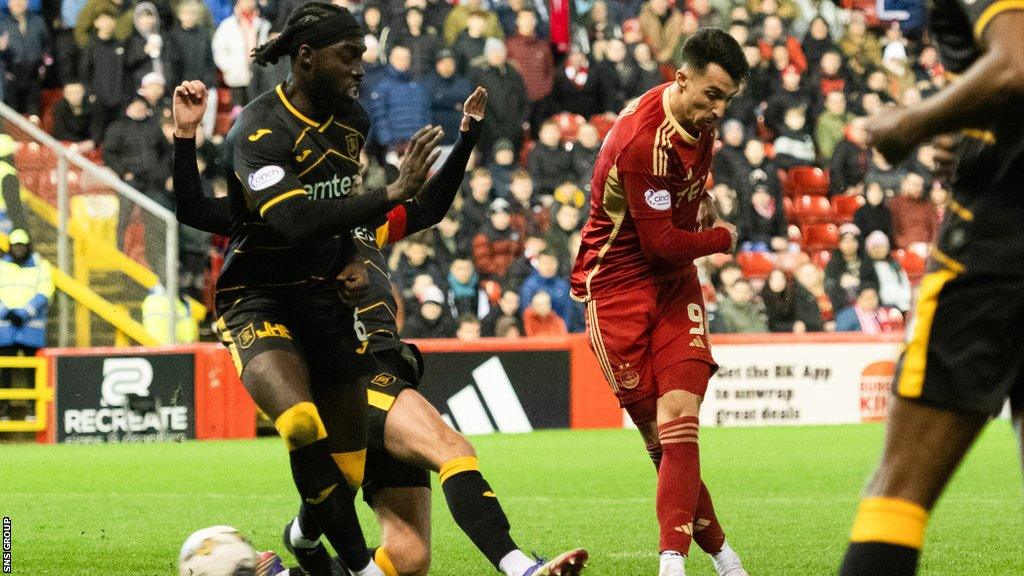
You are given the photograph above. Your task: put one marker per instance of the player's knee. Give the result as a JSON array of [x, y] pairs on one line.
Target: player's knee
[[410, 558], [300, 425], [459, 445], [676, 404]]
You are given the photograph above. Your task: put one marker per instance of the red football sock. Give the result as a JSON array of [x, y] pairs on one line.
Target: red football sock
[[678, 483], [707, 532]]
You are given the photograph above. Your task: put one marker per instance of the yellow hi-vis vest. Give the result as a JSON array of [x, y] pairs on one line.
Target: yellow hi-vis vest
[[20, 284], [156, 318]]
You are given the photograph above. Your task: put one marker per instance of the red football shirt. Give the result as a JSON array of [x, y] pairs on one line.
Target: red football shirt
[[648, 182]]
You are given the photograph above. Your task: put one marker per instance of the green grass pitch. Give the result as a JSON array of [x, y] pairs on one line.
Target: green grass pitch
[[785, 495]]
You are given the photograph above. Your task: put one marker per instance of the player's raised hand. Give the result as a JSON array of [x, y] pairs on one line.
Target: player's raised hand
[[422, 153], [888, 134], [732, 232], [189, 106], [474, 107]]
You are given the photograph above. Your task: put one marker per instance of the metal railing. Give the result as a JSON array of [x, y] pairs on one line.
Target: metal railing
[[40, 393], [68, 157]]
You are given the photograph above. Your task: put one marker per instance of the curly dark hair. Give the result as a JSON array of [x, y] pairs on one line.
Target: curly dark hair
[[303, 19]]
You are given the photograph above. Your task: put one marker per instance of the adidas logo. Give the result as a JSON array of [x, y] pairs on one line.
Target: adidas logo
[[697, 342], [488, 406]]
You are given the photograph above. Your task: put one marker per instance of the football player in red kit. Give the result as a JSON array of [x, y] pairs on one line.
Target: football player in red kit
[[650, 217]]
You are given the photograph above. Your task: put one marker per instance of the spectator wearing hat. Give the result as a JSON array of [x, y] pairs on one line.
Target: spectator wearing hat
[[26, 288], [25, 50], [507, 311], [446, 91], [914, 219], [849, 269], [498, 244], [398, 105], [507, 102], [850, 160], [73, 117], [893, 283], [101, 67], [153, 89], [545, 278], [540, 320], [549, 162], [662, 27], [192, 40], [233, 43], [534, 61], [898, 70], [502, 166], [149, 49], [874, 215], [422, 43], [866, 316], [430, 320]]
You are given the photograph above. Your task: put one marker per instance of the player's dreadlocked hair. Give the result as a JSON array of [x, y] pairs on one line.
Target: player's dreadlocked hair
[[316, 24], [709, 45]]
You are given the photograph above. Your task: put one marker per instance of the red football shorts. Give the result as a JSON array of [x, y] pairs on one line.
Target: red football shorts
[[641, 337]]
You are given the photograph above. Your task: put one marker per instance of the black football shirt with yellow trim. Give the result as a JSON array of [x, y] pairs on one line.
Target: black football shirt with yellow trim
[[273, 154], [982, 231]]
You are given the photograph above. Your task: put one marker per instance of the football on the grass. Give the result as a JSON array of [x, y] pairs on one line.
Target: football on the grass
[[217, 551]]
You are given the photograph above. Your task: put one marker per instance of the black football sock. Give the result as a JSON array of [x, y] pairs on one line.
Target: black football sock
[[475, 508], [886, 539]]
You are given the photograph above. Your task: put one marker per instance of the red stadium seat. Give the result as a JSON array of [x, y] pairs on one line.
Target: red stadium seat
[[569, 123], [843, 208], [820, 237], [912, 263], [812, 210], [806, 180], [603, 123], [755, 265]]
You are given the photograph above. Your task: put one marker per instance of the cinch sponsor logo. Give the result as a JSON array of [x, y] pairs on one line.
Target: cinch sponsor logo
[[502, 405], [333, 188], [658, 199]]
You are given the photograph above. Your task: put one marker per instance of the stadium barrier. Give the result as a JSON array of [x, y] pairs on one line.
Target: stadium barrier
[[40, 393], [483, 386]]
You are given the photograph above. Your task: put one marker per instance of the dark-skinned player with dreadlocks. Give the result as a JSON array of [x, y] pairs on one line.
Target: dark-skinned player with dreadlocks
[[407, 436], [291, 157]]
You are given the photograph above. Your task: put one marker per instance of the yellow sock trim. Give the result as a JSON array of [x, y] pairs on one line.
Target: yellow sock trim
[[457, 466], [300, 426], [890, 521], [352, 465], [384, 562]]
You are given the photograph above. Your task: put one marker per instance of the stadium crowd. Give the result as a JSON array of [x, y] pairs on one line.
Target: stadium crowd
[[831, 236]]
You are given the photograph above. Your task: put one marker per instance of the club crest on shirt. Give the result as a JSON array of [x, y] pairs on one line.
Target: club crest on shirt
[[658, 199], [265, 177]]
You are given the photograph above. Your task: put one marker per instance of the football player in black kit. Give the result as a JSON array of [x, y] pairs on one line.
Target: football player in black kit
[[965, 358], [291, 157], [406, 435]]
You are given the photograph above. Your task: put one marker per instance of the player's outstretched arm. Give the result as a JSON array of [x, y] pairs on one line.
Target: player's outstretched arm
[[995, 78], [430, 205], [192, 207]]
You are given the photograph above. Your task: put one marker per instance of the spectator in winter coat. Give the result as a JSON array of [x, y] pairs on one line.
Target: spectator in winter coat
[[762, 225], [469, 46], [790, 95], [153, 89], [72, 116], [913, 216], [446, 91], [135, 147], [560, 235], [813, 306], [502, 166], [740, 313], [850, 161], [729, 166], [398, 105], [616, 76], [648, 71], [893, 283], [831, 127], [549, 163], [233, 43], [874, 216], [150, 50], [662, 27], [423, 44], [534, 61], [540, 320], [430, 320], [545, 278], [102, 71], [497, 245], [584, 155], [794, 146], [524, 206], [458, 20], [451, 242], [476, 206], [507, 103], [862, 49], [193, 41], [465, 295], [416, 261], [25, 50], [773, 33], [778, 295], [121, 11], [849, 269], [760, 171], [506, 310], [577, 87], [866, 316]]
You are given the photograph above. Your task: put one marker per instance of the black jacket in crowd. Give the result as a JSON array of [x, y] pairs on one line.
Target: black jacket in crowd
[[71, 127], [550, 167]]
